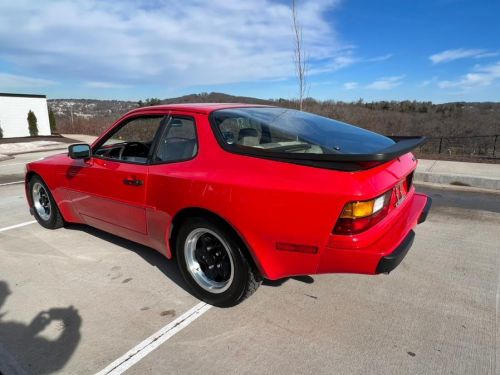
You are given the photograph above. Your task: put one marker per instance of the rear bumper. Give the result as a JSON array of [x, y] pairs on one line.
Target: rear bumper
[[425, 212], [384, 250], [391, 261]]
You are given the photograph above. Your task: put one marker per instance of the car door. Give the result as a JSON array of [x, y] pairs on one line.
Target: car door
[[173, 163], [109, 189]]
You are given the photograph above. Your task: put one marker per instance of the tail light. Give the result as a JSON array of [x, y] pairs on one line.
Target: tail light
[[358, 216]]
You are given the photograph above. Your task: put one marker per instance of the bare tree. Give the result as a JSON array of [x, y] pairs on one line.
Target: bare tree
[[299, 55]]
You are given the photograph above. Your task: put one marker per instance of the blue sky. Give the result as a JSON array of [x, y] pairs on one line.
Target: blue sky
[[441, 50]]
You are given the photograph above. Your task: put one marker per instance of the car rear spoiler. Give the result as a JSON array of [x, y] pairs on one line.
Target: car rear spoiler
[[350, 162]]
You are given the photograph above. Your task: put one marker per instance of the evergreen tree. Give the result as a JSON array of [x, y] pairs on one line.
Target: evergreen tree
[[153, 101], [52, 122], [32, 124]]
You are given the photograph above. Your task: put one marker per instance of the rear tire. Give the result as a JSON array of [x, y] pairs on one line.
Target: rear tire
[[211, 259], [45, 208]]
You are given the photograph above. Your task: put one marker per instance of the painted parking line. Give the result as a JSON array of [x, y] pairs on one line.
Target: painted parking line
[[12, 183], [8, 165], [5, 229], [141, 350]]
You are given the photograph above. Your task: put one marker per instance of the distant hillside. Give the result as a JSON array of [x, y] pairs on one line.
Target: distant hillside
[[390, 118], [89, 108]]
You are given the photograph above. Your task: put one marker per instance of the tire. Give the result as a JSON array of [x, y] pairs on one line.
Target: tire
[[211, 260], [45, 208]]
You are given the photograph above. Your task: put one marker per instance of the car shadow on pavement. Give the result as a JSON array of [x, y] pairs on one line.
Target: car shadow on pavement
[[167, 266], [275, 283], [25, 349]]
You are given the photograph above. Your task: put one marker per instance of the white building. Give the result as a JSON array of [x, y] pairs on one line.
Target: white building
[[14, 110]]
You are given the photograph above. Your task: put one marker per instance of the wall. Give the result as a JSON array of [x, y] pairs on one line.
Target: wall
[[14, 115]]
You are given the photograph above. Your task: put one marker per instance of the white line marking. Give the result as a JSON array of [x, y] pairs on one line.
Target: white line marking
[[137, 353], [8, 165], [17, 226], [12, 183]]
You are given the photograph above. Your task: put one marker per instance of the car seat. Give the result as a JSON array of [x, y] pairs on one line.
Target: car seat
[[248, 137]]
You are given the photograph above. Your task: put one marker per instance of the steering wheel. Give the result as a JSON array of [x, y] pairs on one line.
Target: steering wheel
[[140, 149]]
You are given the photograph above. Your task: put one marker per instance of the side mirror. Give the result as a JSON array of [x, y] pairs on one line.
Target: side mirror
[[79, 151]]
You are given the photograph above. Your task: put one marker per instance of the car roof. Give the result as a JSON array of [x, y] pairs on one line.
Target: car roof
[[204, 108]]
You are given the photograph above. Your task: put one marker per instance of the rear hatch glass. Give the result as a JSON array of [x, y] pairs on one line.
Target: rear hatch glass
[[281, 130]]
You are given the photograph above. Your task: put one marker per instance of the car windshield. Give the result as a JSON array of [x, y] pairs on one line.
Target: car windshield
[[275, 129]]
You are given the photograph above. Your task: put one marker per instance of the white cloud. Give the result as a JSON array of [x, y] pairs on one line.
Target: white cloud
[[350, 85], [13, 81], [460, 53], [379, 58], [346, 58], [193, 42], [487, 54], [386, 83], [428, 82], [106, 85], [481, 76]]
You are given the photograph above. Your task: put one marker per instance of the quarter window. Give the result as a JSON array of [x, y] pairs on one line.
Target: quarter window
[[178, 141]]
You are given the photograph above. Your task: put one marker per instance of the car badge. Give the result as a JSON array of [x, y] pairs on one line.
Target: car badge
[[399, 193]]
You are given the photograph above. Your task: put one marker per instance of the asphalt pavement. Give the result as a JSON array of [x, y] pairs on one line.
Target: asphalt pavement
[[75, 300]]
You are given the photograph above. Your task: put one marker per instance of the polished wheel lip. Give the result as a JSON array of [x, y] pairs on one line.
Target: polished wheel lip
[[194, 267], [41, 201]]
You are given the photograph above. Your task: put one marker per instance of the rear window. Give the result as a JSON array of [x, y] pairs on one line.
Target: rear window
[[271, 129]]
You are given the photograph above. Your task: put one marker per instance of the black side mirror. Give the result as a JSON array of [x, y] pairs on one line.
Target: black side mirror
[[79, 151]]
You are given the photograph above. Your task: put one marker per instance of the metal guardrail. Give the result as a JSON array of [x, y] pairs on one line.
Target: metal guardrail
[[479, 146]]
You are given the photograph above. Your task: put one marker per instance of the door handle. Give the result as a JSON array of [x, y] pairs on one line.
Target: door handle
[[133, 182]]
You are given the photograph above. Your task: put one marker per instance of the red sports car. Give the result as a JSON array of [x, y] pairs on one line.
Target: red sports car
[[238, 193]]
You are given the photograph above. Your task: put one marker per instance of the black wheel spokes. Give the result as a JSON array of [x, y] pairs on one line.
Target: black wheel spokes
[[225, 268], [44, 201], [41, 201], [212, 258]]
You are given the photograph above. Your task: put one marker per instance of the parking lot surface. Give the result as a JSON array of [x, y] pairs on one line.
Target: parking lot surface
[[75, 300]]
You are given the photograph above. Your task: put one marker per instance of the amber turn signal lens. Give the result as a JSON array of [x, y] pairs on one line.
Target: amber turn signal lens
[[358, 216], [360, 209], [354, 210]]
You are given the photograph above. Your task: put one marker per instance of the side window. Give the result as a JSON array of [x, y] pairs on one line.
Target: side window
[[132, 141], [178, 141]]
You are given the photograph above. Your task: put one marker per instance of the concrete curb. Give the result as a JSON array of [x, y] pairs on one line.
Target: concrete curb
[[458, 180], [55, 148]]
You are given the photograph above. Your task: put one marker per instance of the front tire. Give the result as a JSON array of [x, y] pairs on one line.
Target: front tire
[[45, 208], [211, 260]]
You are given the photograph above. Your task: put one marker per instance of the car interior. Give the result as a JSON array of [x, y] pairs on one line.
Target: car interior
[[260, 136], [178, 142]]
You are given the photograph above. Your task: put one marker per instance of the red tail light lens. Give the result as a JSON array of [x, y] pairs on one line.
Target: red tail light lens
[[358, 216]]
